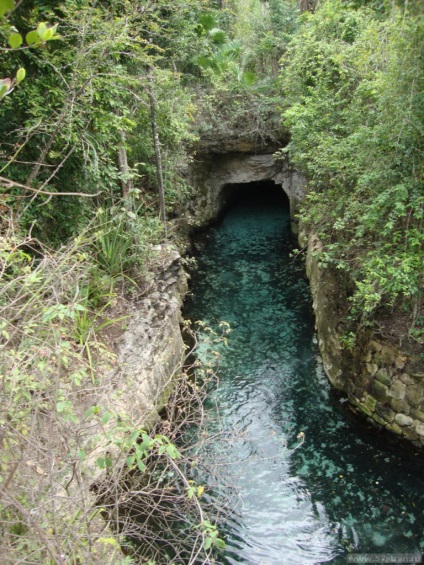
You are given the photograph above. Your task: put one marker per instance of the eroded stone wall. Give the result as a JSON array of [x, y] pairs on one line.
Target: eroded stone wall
[[388, 390], [380, 380], [151, 349], [211, 174]]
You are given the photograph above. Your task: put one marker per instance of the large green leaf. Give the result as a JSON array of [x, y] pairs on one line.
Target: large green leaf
[[207, 21], [20, 75], [6, 6], [32, 37], [15, 40]]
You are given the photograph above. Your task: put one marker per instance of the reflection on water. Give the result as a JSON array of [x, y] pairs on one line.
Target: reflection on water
[[343, 489]]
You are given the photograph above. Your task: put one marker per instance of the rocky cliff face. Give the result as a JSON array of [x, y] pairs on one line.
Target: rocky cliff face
[[152, 349], [381, 381], [212, 176]]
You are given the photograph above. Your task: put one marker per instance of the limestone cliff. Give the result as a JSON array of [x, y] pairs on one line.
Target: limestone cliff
[[380, 379]]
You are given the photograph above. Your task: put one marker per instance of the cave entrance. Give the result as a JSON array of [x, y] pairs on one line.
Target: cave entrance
[[254, 194]]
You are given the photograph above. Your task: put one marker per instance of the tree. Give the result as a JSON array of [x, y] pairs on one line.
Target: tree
[[352, 82]]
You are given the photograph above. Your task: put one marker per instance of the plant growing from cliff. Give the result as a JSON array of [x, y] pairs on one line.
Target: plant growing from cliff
[[60, 428], [352, 81]]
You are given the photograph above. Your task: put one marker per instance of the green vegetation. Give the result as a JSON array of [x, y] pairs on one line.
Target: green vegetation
[[353, 82], [101, 120], [100, 105]]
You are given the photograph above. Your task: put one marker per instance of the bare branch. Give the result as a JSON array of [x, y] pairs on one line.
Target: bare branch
[[7, 183]]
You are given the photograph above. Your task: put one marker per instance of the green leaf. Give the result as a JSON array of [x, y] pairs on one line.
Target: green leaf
[[220, 543], [32, 37], [3, 90], [203, 61], [130, 460], [109, 541], [207, 21], [173, 452], [15, 40], [62, 405], [248, 78], [208, 543], [106, 417], [92, 411], [147, 440], [133, 437], [42, 30], [20, 75], [104, 462], [81, 454], [6, 6], [218, 36], [100, 462], [141, 465]]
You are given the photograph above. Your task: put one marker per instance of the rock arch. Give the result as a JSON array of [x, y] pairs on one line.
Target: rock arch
[[211, 174]]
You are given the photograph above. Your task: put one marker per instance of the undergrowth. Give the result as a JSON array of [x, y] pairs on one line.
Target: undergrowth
[[63, 424]]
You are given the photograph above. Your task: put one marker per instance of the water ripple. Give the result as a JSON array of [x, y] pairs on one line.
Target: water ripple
[[342, 490]]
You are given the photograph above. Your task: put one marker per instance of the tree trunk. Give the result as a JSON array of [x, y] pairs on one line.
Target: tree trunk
[[156, 141], [126, 182]]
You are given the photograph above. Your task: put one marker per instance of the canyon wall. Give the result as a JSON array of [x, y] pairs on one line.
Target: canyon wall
[[382, 381]]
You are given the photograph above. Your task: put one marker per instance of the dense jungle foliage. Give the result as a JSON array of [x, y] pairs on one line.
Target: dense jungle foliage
[[101, 106], [353, 82]]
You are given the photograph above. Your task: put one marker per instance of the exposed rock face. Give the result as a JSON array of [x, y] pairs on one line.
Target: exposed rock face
[[152, 348], [150, 353], [380, 380], [212, 177], [323, 289], [386, 389]]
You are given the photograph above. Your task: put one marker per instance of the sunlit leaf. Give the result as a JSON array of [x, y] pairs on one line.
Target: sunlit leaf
[[42, 30], [6, 6], [20, 75], [32, 37], [220, 543], [15, 40]]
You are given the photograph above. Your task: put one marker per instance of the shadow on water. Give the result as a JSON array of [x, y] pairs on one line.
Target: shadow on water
[[343, 490]]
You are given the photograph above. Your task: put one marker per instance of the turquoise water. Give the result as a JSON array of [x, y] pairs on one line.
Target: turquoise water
[[345, 489]]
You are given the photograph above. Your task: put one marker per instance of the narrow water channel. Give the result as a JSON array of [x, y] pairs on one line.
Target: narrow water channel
[[344, 490]]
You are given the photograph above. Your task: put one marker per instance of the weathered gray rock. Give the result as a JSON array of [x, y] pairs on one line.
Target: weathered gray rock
[[398, 390], [152, 349], [418, 428], [378, 390], [417, 414], [403, 419], [376, 378], [211, 177], [383, 377], [326, 320], [414, 394]]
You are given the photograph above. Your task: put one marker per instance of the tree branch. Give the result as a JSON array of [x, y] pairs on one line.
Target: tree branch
[[11, 183]]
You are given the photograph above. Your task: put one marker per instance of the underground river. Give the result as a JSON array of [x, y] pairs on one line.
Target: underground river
[[345, 489]]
